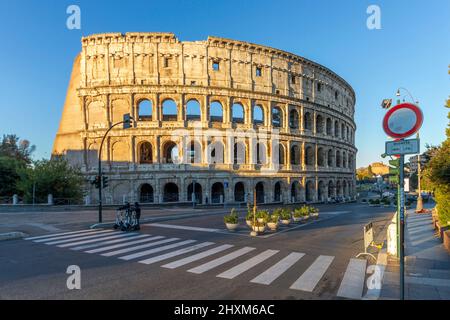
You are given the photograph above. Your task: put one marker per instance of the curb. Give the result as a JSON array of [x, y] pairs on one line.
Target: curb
[[12, 235]]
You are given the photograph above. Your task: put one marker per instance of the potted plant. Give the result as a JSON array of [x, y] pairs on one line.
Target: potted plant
[[249, 218], [262, 216], [259, 227], [301, 213], [272, 222], [231, 220], [314, 212], [285, 217]]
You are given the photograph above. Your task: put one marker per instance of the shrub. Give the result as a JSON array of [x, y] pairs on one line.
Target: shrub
[[285, 214], [273, 218], [232, 217], [262, 214]]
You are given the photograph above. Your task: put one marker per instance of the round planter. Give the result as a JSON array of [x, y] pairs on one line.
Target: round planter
[[249, 223], [231, 226], [259, 229], [315, 216], [260, 220], [297, 219], [285, 222], [273, 226]]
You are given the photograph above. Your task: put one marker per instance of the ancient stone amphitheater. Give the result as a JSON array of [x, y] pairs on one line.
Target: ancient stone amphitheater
[[215, 121]]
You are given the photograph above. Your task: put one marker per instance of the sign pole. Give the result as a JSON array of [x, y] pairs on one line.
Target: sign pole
[[402, 227]]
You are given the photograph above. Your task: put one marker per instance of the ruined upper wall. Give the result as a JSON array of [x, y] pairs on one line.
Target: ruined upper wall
[[161, 59]]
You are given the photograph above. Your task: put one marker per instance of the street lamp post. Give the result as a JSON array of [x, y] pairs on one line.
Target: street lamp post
[[126, 122]]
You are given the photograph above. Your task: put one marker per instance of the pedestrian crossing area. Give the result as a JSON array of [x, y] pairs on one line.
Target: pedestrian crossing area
[[208, 257]]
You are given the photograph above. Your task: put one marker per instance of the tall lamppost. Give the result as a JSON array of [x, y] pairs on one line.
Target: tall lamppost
[[126, 124]]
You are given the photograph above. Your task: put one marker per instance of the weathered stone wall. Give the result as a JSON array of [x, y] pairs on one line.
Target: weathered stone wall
[[114, 73]]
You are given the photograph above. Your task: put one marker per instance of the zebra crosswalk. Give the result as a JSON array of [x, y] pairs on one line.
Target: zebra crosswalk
[[204, 257]]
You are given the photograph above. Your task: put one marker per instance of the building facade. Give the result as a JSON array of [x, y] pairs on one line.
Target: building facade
[[214, 121]]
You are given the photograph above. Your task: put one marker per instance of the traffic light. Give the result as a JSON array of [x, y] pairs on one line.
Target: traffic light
[[105, 181], [126, 121], [96, 182]]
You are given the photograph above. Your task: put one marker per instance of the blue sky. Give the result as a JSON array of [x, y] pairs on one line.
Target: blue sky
[[411, 50]]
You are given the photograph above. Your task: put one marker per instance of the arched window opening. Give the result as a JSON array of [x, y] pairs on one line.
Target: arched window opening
[[216, 153], [145, 110], [193, 112], [281, 158], [239, 153], [295, 155], [336, 129], [170, 192], [319, 124], [330, 157], [328, 127], [277, 192], [277, 121], [237, 113], [338, 159], [260, 198], [309, 156], [195, 152], [169, 110], [260, 153], [197, 189], [217, 193], [295, 191], [146, 193], [171, 154], [239, 192], [320, 157], [307, 125], [145, 153], [258, 115], [309, 191], [293, 119], [216, 112]]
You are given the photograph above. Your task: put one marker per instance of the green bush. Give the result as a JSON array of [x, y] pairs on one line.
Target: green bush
[[273, 218], [249, 215], [232, 217], [262, 214], [285, 214]]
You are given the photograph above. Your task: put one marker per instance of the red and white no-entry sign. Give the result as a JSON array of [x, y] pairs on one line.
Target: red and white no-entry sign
[[402, 120]]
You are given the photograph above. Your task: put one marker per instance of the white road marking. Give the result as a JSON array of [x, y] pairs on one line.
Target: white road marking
[[124, 244], [90, 236], [352, 284], [309, 279], [217, 262], [198, 256], [103, 243], [79, 235], [175, 253], [120, 235], [148, 252], [172, 226], [142, 246], [59, 234], [246, 265], [271, 274]]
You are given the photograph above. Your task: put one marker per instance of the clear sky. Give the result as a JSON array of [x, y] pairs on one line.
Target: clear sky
[[411, 50]]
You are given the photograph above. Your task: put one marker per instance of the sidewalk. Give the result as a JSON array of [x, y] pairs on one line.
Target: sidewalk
[[427, 264]]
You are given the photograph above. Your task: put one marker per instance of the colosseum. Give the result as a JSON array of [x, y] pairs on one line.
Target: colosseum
[[214, 122]]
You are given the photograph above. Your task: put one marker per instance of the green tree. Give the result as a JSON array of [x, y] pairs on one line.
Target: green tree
[[20, 150], [54, 177], [9, 175]]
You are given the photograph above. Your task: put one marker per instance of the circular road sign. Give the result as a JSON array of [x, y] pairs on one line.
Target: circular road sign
[[402, 120]]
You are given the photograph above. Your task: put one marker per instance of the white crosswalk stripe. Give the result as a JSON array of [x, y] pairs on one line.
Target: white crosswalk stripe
[[91, 236], [103, 243], [246, 265], [352, 284], [119, 235], [217, 262], [151, 251], [142, 246], [176, 253], [309, 279], [198, 256], [271, 274], [102, 249], [71, 236], [59, 234]]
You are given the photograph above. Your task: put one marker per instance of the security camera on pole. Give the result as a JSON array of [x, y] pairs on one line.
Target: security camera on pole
[[400, 122]]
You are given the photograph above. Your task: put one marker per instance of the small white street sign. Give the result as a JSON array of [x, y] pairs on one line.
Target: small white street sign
[[410, 146]]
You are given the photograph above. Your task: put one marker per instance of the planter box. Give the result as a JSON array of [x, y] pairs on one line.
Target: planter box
[[231, 226], [441, 230], [447, 240], [285, 222], [273, 226]]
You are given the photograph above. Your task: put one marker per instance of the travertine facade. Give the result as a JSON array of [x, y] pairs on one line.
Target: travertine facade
[[195, 94]]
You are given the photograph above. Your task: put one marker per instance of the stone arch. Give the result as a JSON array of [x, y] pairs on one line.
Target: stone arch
[[216, 112], [216, 153], [307, 121], [237, 113], [144, 109], [320, 157], [295, 154], [193, 110], [169, 110], [261, 153], [119, 153], [309, 156], [197, 191], [193, 152], [258, 115], [239, 192], [295, 191], [119, 107], [322, 193], [319, 124], [338, 159], [260, 195], [331, 189], [217, 193], [293, 119], [171, 192], [170, 152], [239, 153], [277, 117], [309, 191], [96, 114], [328, 127], [145, 154], [330, 157], [277, 192], [336, 128], [146, 194], [281, 154]]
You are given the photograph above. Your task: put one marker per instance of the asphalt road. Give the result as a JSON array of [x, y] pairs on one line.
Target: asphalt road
[[190, 258]]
